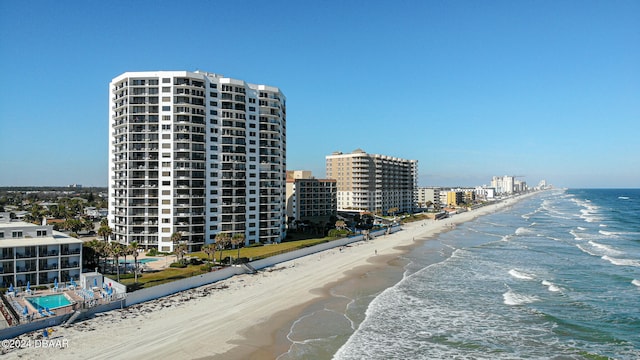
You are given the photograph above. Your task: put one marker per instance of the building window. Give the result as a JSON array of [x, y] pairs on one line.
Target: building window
[[166, 108], [16, 234], [166, 89], [41, 233], [1, 235], [166, 80], [166, 211]]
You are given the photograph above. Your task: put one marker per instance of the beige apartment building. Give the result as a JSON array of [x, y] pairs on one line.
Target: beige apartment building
[[372, 182]]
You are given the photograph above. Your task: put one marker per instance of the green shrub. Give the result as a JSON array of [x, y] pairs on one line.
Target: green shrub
[[335, 233], [206, 267], [152, 252], [178, 265]]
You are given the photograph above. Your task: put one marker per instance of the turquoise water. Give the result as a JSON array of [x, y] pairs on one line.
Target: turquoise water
[[140, 261], [49, 301]]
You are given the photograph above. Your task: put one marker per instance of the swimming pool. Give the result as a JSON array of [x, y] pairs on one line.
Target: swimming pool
[[140, 261], [49, 301]]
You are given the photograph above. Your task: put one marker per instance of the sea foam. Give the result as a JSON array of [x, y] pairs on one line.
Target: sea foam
[[550, 286], [520, 275], [621, 262], [514, 299], [607, 250]]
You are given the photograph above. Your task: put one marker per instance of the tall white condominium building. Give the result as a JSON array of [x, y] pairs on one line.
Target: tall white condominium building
[[195, 154], [373, 182], [503, 184]]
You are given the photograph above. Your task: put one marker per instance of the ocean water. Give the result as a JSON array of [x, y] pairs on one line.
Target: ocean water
[[555, 276]]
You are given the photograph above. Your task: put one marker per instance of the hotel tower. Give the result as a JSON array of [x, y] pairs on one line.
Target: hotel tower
[[195, 154]]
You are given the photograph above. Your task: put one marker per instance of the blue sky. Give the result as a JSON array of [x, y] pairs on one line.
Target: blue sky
[[544, 89]]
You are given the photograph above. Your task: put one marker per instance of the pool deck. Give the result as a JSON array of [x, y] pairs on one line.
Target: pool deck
[[161, 263], [19, 302]]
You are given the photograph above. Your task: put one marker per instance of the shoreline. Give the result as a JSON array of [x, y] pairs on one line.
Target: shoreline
[[243, 316]]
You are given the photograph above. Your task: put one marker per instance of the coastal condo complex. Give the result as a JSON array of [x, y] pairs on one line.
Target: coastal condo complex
[[193, 154], [374, 183]]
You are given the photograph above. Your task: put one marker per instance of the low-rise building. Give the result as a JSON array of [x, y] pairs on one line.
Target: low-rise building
[[310, 199], [428, 196], [36, 254]]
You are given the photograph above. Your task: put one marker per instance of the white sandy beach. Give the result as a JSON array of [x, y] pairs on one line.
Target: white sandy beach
[[213, 319]]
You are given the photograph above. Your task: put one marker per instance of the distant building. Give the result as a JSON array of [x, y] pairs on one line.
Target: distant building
[[310, 199], [95, 212], [428, 195], [452, 198], [371, 182], [36, 254], [503, 184]]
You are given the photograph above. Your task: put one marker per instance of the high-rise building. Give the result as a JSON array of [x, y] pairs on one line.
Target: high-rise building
[[375, 183], [503, 184], [192, 154]]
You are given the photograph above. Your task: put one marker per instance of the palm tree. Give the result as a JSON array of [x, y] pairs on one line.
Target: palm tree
[[222, 240], [176, 237], [93, 245], [180, 250], [105, 231], [133, 249], [115, 250], [35, 214], [210, 250], [87, 223], [101, 252], [236, 240]]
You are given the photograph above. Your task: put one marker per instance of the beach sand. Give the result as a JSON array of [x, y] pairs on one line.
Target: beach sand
[[238, 318]]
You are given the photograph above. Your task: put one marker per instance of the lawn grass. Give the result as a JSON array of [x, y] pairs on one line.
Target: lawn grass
[[149, 279], [261, 252]]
